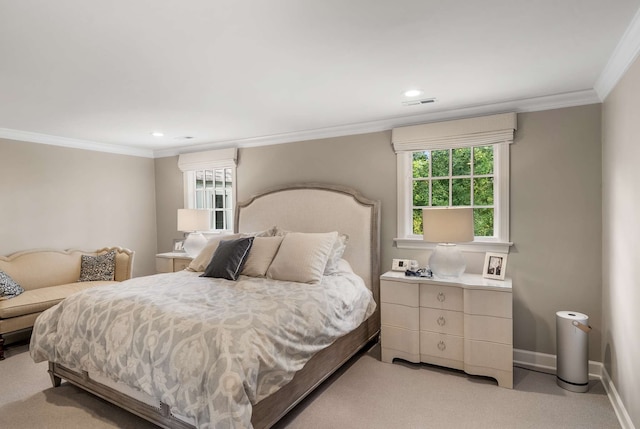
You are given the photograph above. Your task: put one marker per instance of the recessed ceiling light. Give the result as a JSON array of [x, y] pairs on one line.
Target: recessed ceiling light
[[157, 134], [413, 93]]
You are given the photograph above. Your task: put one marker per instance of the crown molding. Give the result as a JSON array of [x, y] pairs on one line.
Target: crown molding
[[27, 136], [621, 59], [557, 101]]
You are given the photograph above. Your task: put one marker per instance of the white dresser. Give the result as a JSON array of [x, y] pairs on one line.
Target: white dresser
[[464, 323]]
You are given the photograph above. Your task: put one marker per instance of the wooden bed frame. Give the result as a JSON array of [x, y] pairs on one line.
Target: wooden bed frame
[[305, 208]]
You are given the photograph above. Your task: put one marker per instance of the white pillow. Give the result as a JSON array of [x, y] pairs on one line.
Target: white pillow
[[266, 233], [336, 253], [262, 252], [200, 262], [343, 266], [302, 257]]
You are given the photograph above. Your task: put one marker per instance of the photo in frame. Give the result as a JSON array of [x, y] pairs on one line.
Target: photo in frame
[[178, 245], [495, 266]]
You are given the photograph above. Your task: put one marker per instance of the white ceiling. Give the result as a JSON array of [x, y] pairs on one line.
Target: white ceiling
[[104, 75]]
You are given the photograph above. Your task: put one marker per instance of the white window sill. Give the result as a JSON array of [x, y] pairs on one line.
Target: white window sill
[[476, 246]]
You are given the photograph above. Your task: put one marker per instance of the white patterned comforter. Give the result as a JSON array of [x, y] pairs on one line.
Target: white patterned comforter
[[208, 348]]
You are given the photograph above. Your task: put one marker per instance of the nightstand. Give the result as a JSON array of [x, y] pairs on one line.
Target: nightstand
[[464, 323], [171, 262]]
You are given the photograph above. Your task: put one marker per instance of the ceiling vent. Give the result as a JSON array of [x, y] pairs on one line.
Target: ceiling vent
[[418, 102]]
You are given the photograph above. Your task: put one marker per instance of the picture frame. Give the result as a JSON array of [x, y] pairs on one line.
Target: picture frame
[[495, 266], [178, 245]]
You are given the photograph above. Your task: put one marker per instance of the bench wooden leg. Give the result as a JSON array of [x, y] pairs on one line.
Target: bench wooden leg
[[1, 347]]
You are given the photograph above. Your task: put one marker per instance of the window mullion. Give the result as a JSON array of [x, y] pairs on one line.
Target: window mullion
[[430, 178], [472, 178], [450, 173]]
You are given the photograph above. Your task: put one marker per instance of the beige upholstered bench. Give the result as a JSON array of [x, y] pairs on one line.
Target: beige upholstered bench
[[48, 276]]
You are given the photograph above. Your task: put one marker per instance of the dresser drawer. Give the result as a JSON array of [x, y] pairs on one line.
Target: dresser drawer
[[400, 316], [442, 321], [442, 346], [164, 265], [488, 355], [404, 340], [488, 303], [488, 328], [444, 297], [399, 293], [180, 264]]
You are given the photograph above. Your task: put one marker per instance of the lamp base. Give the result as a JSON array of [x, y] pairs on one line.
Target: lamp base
[[446, 261], [194, 244]]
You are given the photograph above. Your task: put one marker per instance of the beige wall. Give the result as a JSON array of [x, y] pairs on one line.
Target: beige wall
[[555, 261], [555, 206], [621, 235], [365, 162], [74, 198], [70, 198], [169, 198]]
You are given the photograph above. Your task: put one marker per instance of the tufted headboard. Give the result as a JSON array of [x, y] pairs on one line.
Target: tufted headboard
[[314, 207]]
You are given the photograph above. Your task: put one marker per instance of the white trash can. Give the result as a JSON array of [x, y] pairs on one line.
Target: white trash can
[[572, 348]]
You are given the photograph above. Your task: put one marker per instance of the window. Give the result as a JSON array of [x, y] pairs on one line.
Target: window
[[455, 170], [461, 177], [212, 189], [209, 183]]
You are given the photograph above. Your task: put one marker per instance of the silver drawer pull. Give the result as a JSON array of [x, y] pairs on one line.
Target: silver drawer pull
[[441, 321], [441, 297], [442, 346]]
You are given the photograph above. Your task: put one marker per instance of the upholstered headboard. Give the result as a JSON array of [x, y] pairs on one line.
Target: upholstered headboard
[[314, 207]]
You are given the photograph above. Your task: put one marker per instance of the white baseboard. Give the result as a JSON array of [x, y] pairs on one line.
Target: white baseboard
[[623, 417], [547, 363]]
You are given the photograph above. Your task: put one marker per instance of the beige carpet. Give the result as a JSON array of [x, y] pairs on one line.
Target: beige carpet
[[365, 394]]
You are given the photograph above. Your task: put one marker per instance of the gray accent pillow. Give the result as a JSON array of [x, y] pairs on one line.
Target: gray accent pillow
[[98, 268], [229, 258], [8, 287]]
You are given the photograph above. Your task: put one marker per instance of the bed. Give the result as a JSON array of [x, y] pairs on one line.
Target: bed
[[305, 208]]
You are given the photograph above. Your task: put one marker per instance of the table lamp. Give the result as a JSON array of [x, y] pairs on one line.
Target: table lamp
[[447, 226], [192, 221]]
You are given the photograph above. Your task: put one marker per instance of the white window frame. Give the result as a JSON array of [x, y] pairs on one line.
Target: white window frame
[[190, 199], [211, 160], [417, 138]]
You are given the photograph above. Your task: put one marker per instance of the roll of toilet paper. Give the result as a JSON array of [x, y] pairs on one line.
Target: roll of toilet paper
[[572, 348]]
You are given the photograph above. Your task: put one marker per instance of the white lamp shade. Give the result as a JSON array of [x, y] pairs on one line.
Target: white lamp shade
[[190, 220], [447, 225]]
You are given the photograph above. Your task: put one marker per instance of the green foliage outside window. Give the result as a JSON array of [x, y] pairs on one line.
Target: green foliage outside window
[[443, 178]]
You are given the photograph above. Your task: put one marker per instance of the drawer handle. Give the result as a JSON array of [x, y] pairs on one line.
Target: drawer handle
[[441, 297], [442, 346], [441, 321]]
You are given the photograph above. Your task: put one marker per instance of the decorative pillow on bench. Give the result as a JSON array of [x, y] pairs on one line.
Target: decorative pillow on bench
[[98, 268], [8, 287]]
